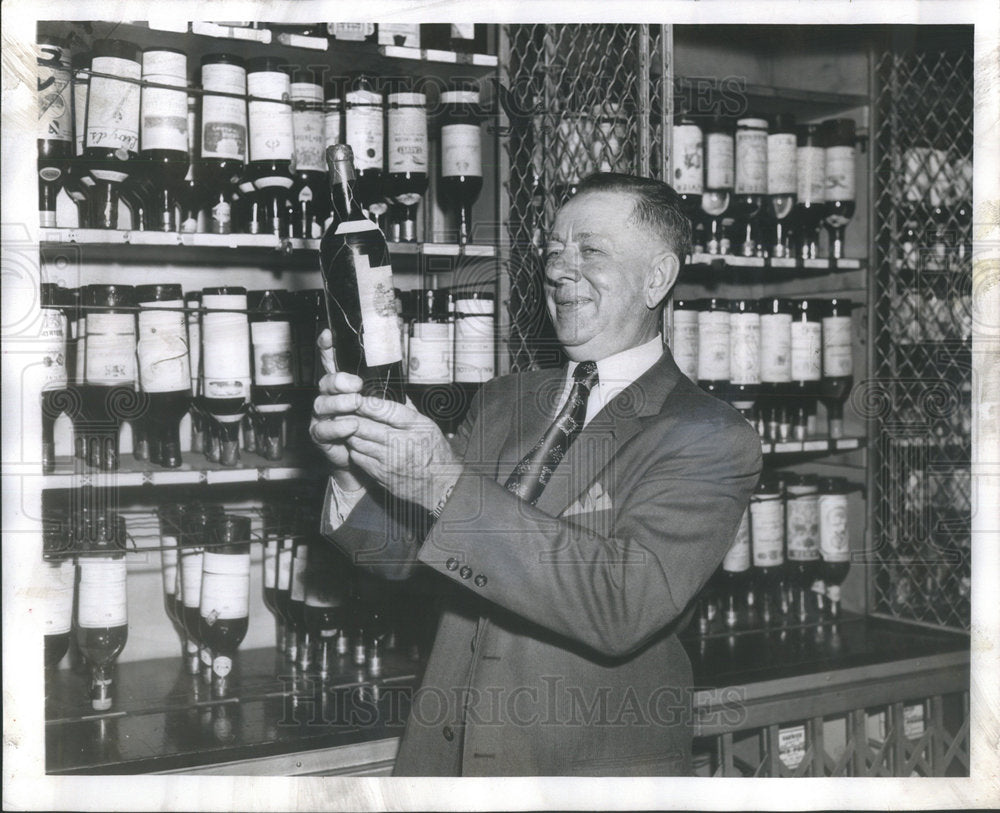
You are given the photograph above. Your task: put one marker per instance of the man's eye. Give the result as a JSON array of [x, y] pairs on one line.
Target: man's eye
[[590, 250], [551, 254]]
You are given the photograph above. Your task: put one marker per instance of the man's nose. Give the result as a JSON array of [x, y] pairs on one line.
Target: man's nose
[[563, 267]]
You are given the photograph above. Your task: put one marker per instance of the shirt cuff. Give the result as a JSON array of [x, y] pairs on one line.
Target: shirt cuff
[[337, 505]]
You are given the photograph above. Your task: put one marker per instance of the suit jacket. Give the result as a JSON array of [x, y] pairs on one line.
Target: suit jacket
[[556, 653]]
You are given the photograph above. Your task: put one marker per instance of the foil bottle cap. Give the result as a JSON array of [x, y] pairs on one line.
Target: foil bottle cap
[[340, 161]]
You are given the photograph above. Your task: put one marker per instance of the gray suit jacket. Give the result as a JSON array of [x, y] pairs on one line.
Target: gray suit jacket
[[556, 653]]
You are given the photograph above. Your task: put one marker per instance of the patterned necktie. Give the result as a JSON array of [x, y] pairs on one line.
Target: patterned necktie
[[531, 475]]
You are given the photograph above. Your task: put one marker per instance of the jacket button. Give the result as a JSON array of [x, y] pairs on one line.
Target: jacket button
[[480, 580], [448, 733], [465, 572], [452, 564]]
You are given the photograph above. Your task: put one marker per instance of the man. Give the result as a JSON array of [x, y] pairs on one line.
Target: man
[[567, 556]]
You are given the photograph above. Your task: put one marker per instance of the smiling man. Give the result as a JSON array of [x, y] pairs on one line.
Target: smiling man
[[572, 518]]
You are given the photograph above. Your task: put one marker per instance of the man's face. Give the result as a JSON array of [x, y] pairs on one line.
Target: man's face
[[596, 268]]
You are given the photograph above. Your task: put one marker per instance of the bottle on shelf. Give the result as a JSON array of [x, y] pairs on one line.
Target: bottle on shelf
[[735, 573], [802, 563], [750, 185], [224, 608], [687, 174], [684, 337], [190, 194], [194, 524], [58, 581], [431, 358], [806, 365], [273, 366], [223, 144], [272, 139], [839, 161], [283, 586], [325, 607], [716, 198], [364, 131], [192, 305], [165, 155], [55, 123], [357, 277], [775, 368], [475, 341], [767, 538], [225, 356], [272, 540], [308, 194], [744, 356], [55, 303], [461, 153], [78, 182], [714, 346], [810, 202], [297, 597], [353, 32], [171, 530], [164, 368], [782, 184], [834, 539], [111, 140], [838, 362], [407, 156]]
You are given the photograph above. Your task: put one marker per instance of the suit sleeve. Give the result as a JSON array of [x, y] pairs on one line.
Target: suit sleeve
[[610, 593]]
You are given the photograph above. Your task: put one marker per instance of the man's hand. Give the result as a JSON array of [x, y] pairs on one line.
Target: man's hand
[[333, 418]]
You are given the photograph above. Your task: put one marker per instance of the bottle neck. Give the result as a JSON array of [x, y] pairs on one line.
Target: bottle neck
[[342, 194]]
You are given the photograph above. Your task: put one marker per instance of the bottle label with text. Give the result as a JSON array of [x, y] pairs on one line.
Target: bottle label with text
[[407, 139], [781, 164], [718, 161], [110, 346], [776, 347], [224, 118], [164, 361], [744, 348], [461, 150], [271, 135], [840, 173], [838, 361], [713, 346], [102, 599], [767, 531], [113, 105], [807, 349]]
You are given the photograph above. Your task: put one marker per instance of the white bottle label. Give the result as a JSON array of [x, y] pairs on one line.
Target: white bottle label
[[751, 162], [164, 362], [776, 347], [781, 164], [407, 139], [285, 566], [102, 598], [838, 359], [379, 329], [461, 150], [225, 586], [271, 563], [191, 564], [110, 348], [684, 346], [55, 114], [351, 32], [194, 345], [299, 564], [430, 354], [53, 336], [165, 114], [744, 348], [767, 531], [474, 342], [222, 665], [834, 542], [307, 126], [331, 129], [57, 601], [271, 134], [802, 525], [272, 353], [224, 119], [364, 129], [168, 559], [226, 347], [807, 349], [687, 171], [811, 174], [718, 161], [713, 345], [113, 105], [737, 560], [840, 173], [81, 91]]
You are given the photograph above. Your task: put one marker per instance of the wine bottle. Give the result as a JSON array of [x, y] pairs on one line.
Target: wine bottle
[[270, 571], [273, 366], [736, 572], [475, 340], [225, 595], [272, 139], [767, 538], [461, 153], [781, 183], [55, 124], [775, 367], [357, 277], [190, 195], [57, 582], [55, 301], [192, 305], [78, 182], [802, 536], [751, 180], [838, 362], [297, 601], [811, 189], [223, 145], [308, 194], [353, 32], [713, 346], [431, 358], [834, 539], [225, 335], [744, 356], [687, 174], [840, 170], [333, 114], [308, 320], [111, 142], [364, 130], [165, 153], [283, 589], [171, 529], [194, 534], [719, 170], [102, 618], [325, 606], [684, 342], [805, 364], [407, 156]]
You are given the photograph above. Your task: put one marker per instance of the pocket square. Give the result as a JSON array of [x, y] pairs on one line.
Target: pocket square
[[595, 498]]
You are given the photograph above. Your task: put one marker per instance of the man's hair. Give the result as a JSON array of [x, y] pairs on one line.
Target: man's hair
[[657, 206]]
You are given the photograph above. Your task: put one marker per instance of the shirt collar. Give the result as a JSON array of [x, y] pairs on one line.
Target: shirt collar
[[618, 371]]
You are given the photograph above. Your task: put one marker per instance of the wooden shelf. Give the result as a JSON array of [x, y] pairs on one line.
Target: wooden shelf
[[811, 446], [762, 269]]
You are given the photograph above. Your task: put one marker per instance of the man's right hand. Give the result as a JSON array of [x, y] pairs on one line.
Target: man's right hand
[[333, 419]]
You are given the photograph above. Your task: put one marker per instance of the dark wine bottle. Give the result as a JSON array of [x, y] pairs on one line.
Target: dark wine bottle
[[225, 335], [165, 155], [272, 139], [223, 146], [78, 182], [838, 139], [273, 366], [171, 530], [461, 153], [781, 184], [714, 346], [192, 305], [357, 276], [751, 181], [308, 194], [55, 124], [767, 538], [308, 321], [838, 362], [190, 195], [269, 563], [744, 356], [775, 366], [325, 607], [55, 302], [716, 198], [806, 364], [407, 155], [364, 131], [58, 581], [283, 592], [297, 600], [802, 564], [811, 189], [834, 537], [164, 368], [687, 174], [194, 533], [431, 359], [102, 618], [736, 572]]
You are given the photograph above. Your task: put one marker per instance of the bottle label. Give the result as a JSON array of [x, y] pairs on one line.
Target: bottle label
[[811, 174], [190, 569], [840, 173], [713, 346], [430, 354], [351, 32], [837, 357], [80, 353], [834, 543], [299, 564], [55, 114], [684, 346], [285, 566], [379, 329], [81, 90], [53, 336], [165, 115], [221, 665], [776, 347], [271, 134], [168, 558], [110, 348], [461, 150], [807, 349], [331, 130], [407, 139], [270, 563], [225, 586], [364, 129], [767, 531], [751, 162], [744, 348], [802, 526], [102, 598], [113, 105], [307, 125], [718, 161], [687, 171], [781, 164], [226, 348], [474, 348], [164, 363], [737, 560], [272, 353], [224, 119], [57, 602], [194, 345]]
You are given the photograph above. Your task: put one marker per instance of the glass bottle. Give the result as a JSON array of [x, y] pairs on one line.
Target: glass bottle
[[227, 378], [55, 302], [308, 194], [364, 133], [190, 195], [751, 180], [684, 344], [810, 204], [407, 154], [834, 537], [58, 581], [714, 346], [719, 172], [223, 144], [775, 367], [802, 563], [838, 362], [55, 123], [78, 182], [171, 530], [736, 572], [102, 617], [767, 537], [272, 540], [191, 548], [744, 356], [325, 607], [806, 364], [840, 173], [273, 366], [687, 174], [272, 139], [461, 153], [431, 359], [782, 184]]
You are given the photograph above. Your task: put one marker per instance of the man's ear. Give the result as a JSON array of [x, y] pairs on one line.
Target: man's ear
[[661, 278]]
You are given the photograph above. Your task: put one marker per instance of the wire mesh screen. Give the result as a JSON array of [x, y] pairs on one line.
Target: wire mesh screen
[[581, 99], [921, 402]]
